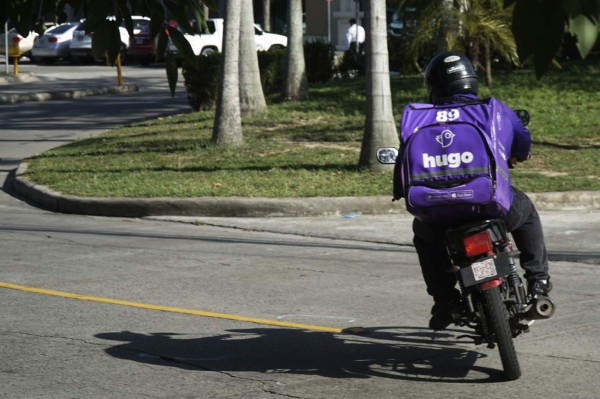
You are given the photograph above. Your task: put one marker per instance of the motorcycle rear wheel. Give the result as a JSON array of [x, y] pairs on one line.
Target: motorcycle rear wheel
[[497, 316]]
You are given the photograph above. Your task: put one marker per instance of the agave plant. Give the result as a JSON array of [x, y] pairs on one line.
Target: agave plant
[[484, 29], [479, 28]]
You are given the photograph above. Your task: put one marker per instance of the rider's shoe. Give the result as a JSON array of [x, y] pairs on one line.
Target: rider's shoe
[[443, 314], [539, 286]]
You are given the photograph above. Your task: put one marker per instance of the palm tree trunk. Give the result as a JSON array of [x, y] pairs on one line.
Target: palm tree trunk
[[267, 15], [380, 127], [227, 129], [445, 26], [252, 98], [474, 51], [488, 64], [295, 84]]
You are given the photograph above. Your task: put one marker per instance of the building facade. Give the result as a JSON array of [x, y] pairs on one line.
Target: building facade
[[327, 20]]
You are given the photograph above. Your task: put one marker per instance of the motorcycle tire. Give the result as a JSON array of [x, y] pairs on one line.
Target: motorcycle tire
[[497, 316]]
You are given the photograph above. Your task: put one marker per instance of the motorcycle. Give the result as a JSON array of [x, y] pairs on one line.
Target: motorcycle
[[495, 303]]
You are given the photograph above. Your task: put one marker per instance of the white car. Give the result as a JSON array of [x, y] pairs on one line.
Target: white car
[[266, 41], [212, 40], [204, 43], [54, 43], [80, 48], [17, 45]]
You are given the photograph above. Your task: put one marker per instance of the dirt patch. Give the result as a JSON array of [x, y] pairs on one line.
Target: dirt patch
[[318, 144]]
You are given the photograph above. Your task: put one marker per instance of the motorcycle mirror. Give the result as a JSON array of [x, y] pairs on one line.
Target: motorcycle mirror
[[523, 116], [387, 155]]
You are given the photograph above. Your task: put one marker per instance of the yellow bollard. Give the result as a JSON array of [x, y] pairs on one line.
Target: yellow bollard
[[15, 53], [119, 72]]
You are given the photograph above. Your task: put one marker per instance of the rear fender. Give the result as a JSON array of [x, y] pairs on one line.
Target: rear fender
[[488, 285]]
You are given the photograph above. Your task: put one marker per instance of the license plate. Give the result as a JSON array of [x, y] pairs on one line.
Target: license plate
[[484, 269]]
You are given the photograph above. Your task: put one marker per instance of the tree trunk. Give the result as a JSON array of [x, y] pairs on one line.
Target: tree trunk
[[380, 127], [445, 25], [267, 15], [474, 54], [252, 98], [295, 83], [227, 130], [488, 64]]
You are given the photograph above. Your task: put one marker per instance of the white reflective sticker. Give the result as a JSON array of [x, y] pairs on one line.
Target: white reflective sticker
[[451, 58], [484, 269]]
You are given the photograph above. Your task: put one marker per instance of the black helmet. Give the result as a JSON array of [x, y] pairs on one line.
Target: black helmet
[[448, 74]]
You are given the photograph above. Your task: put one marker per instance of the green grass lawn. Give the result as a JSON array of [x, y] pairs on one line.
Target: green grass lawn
[[311, 148]]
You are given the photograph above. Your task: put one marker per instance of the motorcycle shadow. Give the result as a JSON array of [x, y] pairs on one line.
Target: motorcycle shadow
[[405, 353]]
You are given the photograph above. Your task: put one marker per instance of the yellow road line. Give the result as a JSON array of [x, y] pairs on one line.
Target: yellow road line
[[170, 308]]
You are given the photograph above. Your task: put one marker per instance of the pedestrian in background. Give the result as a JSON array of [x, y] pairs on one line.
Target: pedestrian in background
[[355, 36]]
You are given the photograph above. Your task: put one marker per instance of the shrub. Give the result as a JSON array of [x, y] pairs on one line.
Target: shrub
[[272, 68], [202, 83], [319, 59], [400, 60], [353, 62]]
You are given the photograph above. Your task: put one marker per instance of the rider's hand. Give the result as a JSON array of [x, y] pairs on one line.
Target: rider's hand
[[513, 161]]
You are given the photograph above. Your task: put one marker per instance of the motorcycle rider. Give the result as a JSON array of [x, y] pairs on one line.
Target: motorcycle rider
[[450, 79]]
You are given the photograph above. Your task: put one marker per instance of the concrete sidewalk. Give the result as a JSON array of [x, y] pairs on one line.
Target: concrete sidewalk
[[569, 236], [27, 87]]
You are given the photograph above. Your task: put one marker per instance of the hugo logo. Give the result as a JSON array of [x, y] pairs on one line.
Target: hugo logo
[[452, 160]]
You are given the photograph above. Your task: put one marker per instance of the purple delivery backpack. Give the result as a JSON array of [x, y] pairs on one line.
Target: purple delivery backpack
[[454, 167]]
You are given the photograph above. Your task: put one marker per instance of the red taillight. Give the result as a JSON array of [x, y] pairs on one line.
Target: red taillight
[[53, 40], [17, 39], [478, 244]]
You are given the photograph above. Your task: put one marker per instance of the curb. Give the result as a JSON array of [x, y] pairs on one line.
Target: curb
[[24, 77], [201, 206], [66, 94], [255, 207]]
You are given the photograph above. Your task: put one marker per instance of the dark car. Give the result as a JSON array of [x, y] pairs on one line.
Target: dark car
[[142, 47]]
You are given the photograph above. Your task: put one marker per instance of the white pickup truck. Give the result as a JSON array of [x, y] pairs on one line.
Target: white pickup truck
[[212, 40]]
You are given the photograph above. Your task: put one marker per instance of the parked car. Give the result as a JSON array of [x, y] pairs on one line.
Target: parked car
[[266, 41], [54, 43], [205, 42], [395, 25], [212, 40], [142, 47], [80, 49], [17, 45], [401, 23]]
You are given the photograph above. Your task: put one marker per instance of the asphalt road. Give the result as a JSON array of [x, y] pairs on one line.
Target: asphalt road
[[101, 307], [32, 127]]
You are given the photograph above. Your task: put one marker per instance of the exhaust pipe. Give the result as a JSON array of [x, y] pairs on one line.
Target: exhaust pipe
[[541, 307]]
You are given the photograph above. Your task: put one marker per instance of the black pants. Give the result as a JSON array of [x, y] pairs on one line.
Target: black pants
[[522, 221], [360, 50]]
